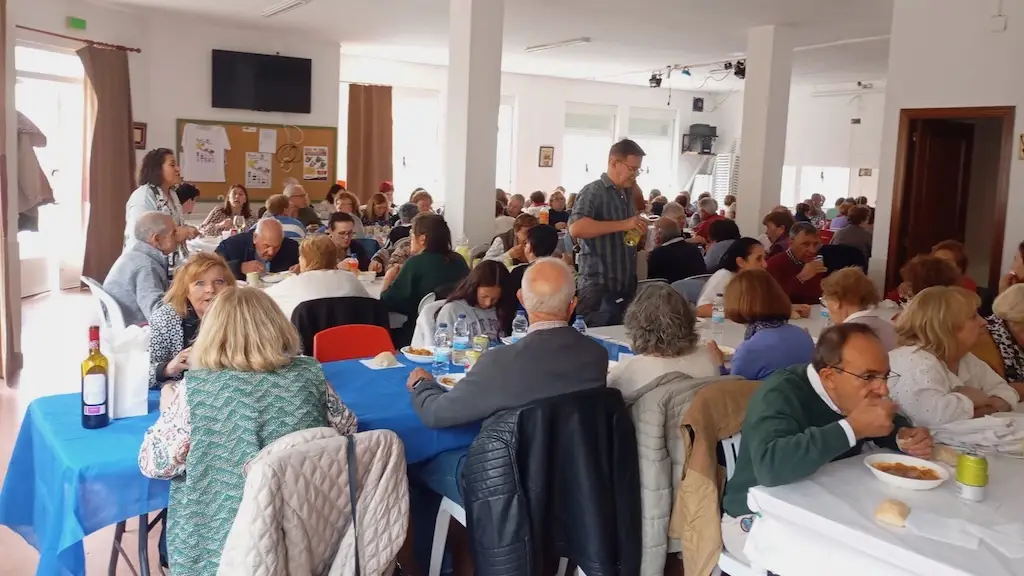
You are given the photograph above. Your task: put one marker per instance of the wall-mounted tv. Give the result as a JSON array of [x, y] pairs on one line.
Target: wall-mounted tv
[[262, 82]]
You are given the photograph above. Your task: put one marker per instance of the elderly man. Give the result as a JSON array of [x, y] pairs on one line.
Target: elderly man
[[282, 210], [675, 211], [263, 249], [604, 211], [674, 258], [299, 200], [707, 208], [138, 279], [803, 417], [799, 270], [515, 205]]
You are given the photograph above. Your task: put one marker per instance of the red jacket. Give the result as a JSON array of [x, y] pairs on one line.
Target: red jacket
[[702, 228], [784, 270]]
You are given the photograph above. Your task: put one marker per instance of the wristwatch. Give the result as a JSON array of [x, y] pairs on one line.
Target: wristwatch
[[418, 382]]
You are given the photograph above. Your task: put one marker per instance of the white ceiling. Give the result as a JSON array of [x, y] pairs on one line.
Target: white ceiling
[[630, 40]]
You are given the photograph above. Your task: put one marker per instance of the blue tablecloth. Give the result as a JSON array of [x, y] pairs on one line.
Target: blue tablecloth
[[380, 400], [65, 482]]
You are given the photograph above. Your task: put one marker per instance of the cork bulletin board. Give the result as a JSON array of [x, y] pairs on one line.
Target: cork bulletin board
[[305, 153]]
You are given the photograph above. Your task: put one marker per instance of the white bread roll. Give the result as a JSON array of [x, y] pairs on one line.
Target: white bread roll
[[893, 513]]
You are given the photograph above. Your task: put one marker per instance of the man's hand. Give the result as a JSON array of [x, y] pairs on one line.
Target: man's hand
[[178, 364], [417, 375], [915, 441], [872, 418], [190, 232], [633, 222], [253, 266], [376, 266], [975, 395], [810, 270], [561, 226], [802, 310]]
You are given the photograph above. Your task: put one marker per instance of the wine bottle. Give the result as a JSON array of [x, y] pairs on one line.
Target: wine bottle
[[95, 409]]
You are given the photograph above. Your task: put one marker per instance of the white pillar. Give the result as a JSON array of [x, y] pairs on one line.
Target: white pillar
[[474, 95], [765, 112]]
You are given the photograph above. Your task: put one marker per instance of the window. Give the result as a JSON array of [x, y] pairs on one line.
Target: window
[[832, 182], [506, 135], [589, 133], [726, 177], [653, 130], [416, 142]]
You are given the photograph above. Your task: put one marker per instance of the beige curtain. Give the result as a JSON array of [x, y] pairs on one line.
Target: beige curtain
[[109, 175], [369, 139], [11, 295]]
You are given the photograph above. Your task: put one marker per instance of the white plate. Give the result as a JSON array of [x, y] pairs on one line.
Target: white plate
[[276, 277], [441, 381], [416, 357], [901, 482], [506, 340]]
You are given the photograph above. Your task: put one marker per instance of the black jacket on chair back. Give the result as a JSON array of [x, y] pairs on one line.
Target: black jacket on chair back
[[313, 316], [558, 478]]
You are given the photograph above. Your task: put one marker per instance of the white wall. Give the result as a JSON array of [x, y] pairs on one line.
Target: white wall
[[540, 110], [928, 69]]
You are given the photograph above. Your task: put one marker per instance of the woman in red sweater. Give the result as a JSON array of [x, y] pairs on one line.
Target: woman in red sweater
[[799, 270]]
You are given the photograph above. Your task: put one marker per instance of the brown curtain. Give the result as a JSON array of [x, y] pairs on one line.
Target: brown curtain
[[109, 174], [11, 294], [369, 139]]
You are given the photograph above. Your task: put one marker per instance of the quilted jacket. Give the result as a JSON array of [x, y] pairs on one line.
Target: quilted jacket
[[657, 415], [295, 516], [555, 479]]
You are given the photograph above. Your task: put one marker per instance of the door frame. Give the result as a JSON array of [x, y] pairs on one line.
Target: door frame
[[1006, 115]]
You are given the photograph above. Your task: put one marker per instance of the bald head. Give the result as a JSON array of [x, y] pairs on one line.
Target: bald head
[[549, 291], [267, 238], [156, 229]]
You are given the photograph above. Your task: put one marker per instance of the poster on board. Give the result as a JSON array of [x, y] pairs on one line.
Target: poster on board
[[257, 169], [314, 163]]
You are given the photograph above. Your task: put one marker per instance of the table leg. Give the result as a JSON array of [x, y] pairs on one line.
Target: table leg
[[144, 545], [116, 548]]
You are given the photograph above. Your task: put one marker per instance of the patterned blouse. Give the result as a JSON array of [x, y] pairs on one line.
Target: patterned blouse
[[166, 444], [218, 215], [1011, 352]]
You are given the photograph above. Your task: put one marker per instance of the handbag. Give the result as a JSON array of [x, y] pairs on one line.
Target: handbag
[[128, 372]]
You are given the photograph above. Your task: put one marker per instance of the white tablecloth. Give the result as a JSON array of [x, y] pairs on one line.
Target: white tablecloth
[[825, 525], [203, 244]]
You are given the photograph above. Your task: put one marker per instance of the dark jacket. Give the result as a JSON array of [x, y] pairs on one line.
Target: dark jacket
[[674, 261], [558, 478], [239, 249], [313, 316]]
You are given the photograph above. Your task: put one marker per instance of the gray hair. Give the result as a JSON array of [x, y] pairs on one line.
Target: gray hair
[[548, 297], [659, 322], [407, 212], [802, 228], [668, 229], [709, 205], [152, 224], [831, 342], [290, 189], [673, 210]]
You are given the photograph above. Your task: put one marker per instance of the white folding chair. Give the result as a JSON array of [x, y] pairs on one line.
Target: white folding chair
[[728, 563], [430, 297], [111, 315], [691, 287]]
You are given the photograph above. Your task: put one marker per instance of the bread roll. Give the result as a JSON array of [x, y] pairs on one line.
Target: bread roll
[[385, 360], [945, 454], [893, 513]]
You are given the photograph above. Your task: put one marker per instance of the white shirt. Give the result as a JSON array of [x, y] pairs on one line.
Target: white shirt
[[812, 375], [715, 286], [631, 375], [314, 284], [925, 388], [203, 147]]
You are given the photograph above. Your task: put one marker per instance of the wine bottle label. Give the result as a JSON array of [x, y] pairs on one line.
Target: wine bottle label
[[94, 390], [95, 410]]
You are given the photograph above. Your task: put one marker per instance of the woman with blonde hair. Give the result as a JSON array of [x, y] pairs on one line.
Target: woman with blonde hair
[[174, 324], [558, 214], [940, 380], [377, 211], [247, 387], [850, 296], [318, 277], [755, 299]]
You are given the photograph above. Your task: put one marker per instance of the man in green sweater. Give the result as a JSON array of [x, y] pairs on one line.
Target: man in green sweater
[[803, 417]]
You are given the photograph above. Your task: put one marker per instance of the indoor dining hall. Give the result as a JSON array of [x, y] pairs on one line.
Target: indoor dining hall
[[511, 288]]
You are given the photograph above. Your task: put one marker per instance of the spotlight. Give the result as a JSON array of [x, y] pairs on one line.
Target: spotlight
[[655, 80], [686, 72], [740, 71]]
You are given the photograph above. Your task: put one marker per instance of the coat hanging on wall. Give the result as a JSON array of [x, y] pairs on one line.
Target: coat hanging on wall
[[34, 188]]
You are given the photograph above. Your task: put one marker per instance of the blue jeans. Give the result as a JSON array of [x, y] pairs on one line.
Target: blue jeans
[[428, 482]]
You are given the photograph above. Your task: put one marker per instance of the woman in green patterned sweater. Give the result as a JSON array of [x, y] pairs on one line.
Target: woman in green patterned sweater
[[247, 387]]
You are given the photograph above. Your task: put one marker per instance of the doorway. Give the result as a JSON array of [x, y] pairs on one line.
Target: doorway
[[952, 183]]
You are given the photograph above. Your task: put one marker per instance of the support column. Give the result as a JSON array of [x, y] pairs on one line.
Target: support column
[[474, 95], [765, 113]]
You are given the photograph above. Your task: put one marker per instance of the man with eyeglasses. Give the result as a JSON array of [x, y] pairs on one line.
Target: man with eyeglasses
[[340, 228], [803, 417]]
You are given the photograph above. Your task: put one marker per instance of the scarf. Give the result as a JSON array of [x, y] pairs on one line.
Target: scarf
[[758, 325], [1013, 356]]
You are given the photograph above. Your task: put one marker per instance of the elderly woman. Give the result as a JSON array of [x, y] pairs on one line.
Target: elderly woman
[[923, 271], [247, 383], [856, 232], [1000, 346], [174, 324], [842, 220], [956, 254], [558, 215], [940, 380], [850, 296], [508, 247], [662, 332], [222, 218], [347, 202], [318, 278], [755, 299]]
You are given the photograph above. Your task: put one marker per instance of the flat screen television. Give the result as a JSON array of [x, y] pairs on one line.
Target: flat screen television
[[262, 82]]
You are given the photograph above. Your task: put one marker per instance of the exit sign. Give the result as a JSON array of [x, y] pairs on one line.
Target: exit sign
[[75, 23]]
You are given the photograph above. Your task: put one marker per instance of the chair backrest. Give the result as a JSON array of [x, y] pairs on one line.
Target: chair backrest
[[314, 316], [426, 325], [350, 342], [430, 297], [691, 287], [478, 251], [731, 450], [111, 315], [839, 256], [369, 245]]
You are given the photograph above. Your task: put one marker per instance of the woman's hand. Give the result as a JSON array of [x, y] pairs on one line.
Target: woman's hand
[[225, 225], [177, 365], [802, 310], [190, 232], [975, 395], [1007, 280], [390, 276], [376, 266], [999, 404], [716, 354]]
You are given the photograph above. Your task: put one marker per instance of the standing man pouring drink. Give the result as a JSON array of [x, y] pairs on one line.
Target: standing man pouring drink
[[602, 215]]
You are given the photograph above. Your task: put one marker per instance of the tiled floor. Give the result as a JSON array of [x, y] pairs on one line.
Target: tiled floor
[[53, 342]]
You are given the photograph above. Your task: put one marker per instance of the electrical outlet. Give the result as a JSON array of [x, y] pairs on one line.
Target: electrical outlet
[[998, 24]]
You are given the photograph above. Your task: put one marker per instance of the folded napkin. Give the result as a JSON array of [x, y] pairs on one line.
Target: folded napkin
[[1003, 433], [1007, 539], [369, 364], [924, 523]]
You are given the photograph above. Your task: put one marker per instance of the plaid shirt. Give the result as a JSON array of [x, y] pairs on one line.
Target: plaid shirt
[[605, 261]]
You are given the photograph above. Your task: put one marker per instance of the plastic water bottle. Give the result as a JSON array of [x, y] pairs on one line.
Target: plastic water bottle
[[580, 325], [826, 319], [519, 326], [442, 350], [461, 342], [718, 317]]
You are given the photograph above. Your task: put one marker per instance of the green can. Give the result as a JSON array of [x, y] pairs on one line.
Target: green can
[[480, 343], [971, 476]]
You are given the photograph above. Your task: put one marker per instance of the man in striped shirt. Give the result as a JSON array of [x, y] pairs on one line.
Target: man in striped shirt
[[603, 213]]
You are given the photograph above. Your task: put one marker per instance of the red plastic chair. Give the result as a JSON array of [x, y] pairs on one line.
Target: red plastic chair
[[350, 342], [826, 236]]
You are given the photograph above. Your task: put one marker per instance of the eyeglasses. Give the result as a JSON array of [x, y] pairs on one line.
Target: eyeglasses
[[633, 169], [869, 378]]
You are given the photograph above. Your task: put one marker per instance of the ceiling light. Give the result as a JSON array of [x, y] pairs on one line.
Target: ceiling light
[[554, 45], [740, 71], [283, 7], [686, 72]]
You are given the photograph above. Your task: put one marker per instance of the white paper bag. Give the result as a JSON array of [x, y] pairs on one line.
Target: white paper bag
[[128, 388]]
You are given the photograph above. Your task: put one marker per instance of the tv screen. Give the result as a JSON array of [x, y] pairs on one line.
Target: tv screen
[[261, 82]]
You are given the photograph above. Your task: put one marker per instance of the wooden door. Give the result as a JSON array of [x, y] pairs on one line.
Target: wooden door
[[938, 182]]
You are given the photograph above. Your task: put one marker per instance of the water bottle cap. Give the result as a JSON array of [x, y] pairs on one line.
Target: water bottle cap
[[462, 316], [442, 325]]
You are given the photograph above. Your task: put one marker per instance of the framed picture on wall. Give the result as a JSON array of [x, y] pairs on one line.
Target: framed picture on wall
[[546, 158], [139, 135]]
